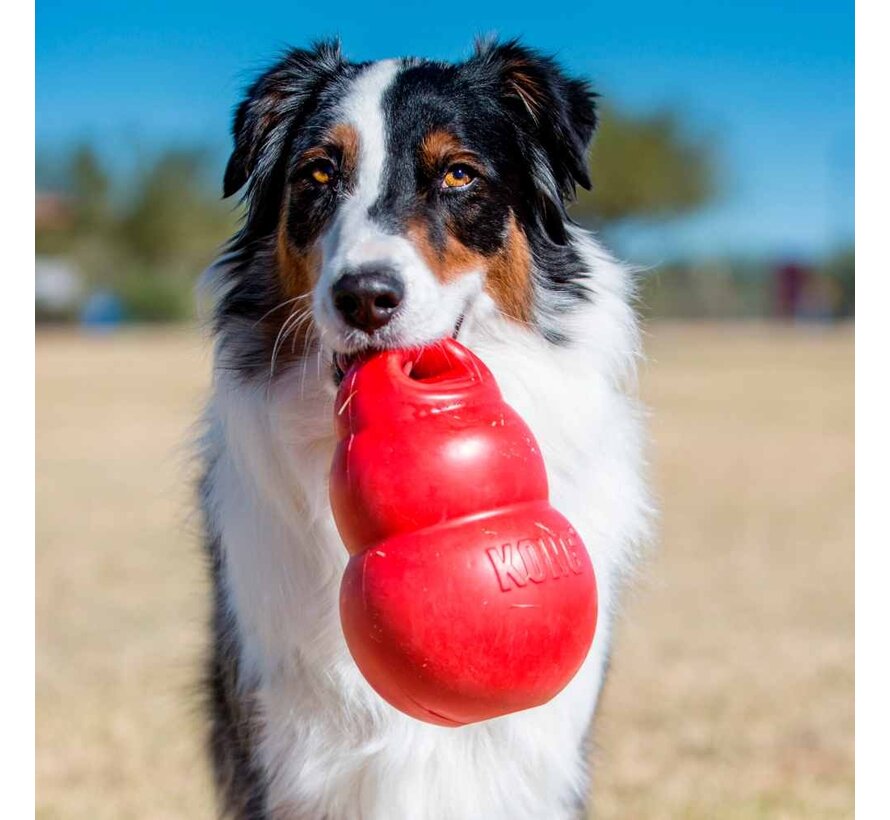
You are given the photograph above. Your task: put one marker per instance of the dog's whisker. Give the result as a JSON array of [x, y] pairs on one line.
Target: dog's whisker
[[295, 334], [287, 326], [282, 334], [286, 302], [307, 342]]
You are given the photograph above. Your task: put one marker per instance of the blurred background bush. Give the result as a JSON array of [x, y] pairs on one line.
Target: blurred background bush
[[139, 239]]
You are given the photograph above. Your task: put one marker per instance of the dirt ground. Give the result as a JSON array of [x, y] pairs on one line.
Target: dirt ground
[[731, 693]]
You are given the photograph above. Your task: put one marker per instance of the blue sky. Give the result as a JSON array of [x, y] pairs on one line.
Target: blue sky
[[771, 81]]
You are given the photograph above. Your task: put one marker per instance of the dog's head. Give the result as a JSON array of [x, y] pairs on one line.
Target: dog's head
[[387, 200]]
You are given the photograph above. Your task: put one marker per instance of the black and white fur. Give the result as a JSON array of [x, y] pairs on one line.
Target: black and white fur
[[296, 732]]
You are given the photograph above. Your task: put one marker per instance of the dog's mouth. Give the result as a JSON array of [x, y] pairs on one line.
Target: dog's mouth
[[341, 362]]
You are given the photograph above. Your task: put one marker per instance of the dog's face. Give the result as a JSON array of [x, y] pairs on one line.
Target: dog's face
[[390, 197]]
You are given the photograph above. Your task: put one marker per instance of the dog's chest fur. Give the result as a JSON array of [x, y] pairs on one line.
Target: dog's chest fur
[[321, 743]]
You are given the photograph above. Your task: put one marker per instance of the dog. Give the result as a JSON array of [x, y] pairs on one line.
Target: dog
[[391, 204]]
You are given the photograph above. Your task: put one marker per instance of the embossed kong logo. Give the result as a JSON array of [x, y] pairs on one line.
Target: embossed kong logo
[[535, 560]]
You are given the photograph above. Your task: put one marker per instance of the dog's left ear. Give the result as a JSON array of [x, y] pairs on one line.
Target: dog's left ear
[[269, 115], [559, 110]]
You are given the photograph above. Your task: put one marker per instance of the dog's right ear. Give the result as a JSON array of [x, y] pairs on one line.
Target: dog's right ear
[[271, 110]]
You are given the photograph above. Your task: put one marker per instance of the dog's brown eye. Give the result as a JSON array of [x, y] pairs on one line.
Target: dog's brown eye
[[322, 172], [458, 176]]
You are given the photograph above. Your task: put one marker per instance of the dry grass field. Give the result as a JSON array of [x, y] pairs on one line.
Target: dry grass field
[[731, 694]]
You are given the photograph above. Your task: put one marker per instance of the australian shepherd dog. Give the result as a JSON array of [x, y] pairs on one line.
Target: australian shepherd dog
[[391, 204]]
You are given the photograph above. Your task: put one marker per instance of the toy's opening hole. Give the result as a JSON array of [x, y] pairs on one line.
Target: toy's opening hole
[[435, 365]]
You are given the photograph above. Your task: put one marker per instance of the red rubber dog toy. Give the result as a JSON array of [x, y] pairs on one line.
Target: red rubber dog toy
[[467, 595]]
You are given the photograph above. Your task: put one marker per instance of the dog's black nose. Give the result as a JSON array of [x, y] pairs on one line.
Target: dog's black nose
[[368, 297]]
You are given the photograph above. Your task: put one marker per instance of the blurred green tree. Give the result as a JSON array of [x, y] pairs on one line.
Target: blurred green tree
[[89, 186], [645, 167], [173, 215], [840, 267]]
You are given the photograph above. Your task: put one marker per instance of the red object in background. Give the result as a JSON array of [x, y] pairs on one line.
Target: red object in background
[[467, 596], [791, 282]]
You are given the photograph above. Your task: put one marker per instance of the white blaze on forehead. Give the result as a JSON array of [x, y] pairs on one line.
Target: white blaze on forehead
[[363, 109], [429, 309]]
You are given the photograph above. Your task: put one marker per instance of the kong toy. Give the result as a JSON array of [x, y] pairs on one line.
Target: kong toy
[[467, 596]]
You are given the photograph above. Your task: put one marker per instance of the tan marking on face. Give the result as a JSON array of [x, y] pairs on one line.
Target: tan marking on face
[[441, 148], [509, 277], [452, 261], [298, 273], [507, 273], [437, 148], [299, 270], [345, 138], [314, 153]]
